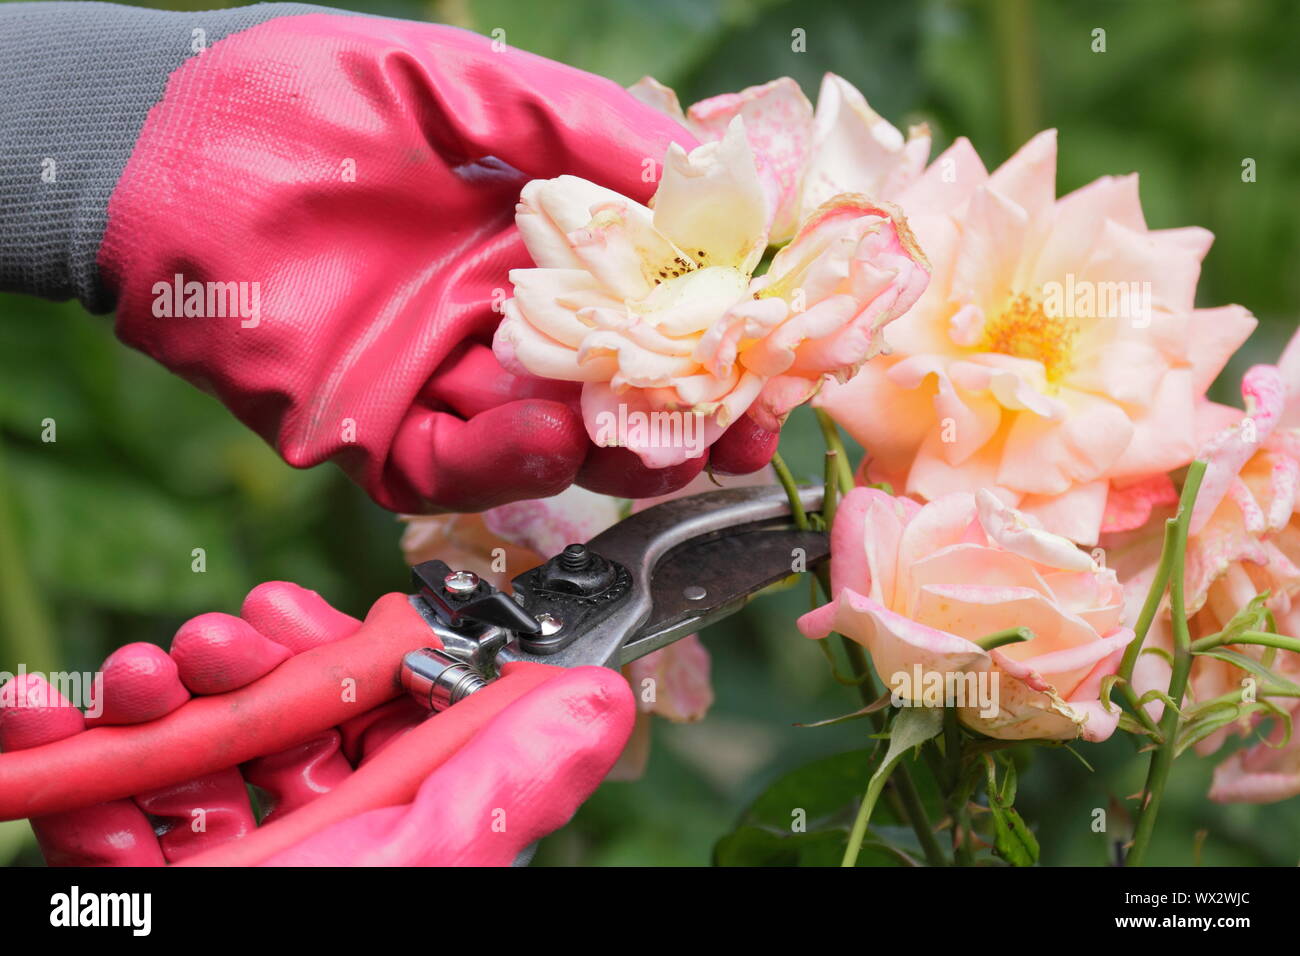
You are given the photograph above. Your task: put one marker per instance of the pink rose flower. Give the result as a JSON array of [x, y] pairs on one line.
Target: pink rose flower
[[1056, 355], [805, 159], [1265, 772], [658, 311], [919, 585], [1244, 540]]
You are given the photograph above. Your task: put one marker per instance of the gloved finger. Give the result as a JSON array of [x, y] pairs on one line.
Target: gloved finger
[[116, 833], [33, 713], [366, 734], [295, 777], [298, 619], [140, 682], [744, 448], [471, 380], [519, 779], [619, 472], [221, 651], [525, 449], [215, 653], [538, 116], [204, 812], [295, 617]]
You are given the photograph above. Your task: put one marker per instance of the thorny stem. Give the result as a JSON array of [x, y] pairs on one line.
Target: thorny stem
[[1163, 757]]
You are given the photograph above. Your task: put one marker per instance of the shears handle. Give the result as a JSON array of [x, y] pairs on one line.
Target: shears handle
[[307, 694]]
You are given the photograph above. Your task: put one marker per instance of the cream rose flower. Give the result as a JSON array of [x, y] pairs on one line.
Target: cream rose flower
[[920, 585], [658, 310]]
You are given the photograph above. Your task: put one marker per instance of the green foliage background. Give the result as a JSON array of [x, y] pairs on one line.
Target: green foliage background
[[96, 530]]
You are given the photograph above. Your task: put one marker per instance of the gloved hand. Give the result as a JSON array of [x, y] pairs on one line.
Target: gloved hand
[[350, 183], [518, 779]]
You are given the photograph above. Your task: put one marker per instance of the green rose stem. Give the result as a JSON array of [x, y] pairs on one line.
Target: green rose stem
[[1012, 635], [830, 499], [903, 797], [1145, 617], [1163, 757], [859, 831], [834, 443], [958, 805], [1263, 638], [791, 490]]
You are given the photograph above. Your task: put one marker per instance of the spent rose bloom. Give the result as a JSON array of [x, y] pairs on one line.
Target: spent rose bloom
[[919, 585], [1244, 540], [805, 158], [657, 310], [1056, 354]]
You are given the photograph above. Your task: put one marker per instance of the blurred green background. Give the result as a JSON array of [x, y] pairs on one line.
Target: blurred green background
[[97, 530]]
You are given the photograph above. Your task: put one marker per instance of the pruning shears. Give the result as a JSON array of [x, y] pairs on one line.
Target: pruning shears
[[462, 648]]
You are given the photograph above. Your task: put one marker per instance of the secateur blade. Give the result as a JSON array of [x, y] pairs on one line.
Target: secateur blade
[[711, 578], [729, 543]]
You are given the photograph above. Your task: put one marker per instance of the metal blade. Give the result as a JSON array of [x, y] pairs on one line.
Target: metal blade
[[642, 542], [706, 580]]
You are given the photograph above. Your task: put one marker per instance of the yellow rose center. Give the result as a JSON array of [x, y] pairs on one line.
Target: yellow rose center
[[1025, 330]]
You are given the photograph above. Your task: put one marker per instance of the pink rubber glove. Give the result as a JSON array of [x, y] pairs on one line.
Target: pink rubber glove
[[523, 776], [363, 173]]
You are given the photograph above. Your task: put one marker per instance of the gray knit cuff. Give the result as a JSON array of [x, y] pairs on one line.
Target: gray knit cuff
[[76, 83]]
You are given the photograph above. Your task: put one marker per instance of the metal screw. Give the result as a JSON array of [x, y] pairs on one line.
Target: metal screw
[[550, 624], [460, 582], [575, 557], [694, 593]]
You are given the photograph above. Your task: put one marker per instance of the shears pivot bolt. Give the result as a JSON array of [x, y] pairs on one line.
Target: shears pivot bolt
[[437, 680]]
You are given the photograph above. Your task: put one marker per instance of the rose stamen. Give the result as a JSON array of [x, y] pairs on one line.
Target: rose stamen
[[1024, 330]]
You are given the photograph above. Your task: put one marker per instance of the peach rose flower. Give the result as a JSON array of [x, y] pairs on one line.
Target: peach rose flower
[[805, 158], [920, 585], [659, 311], [1244, 540], [1056, 355]]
